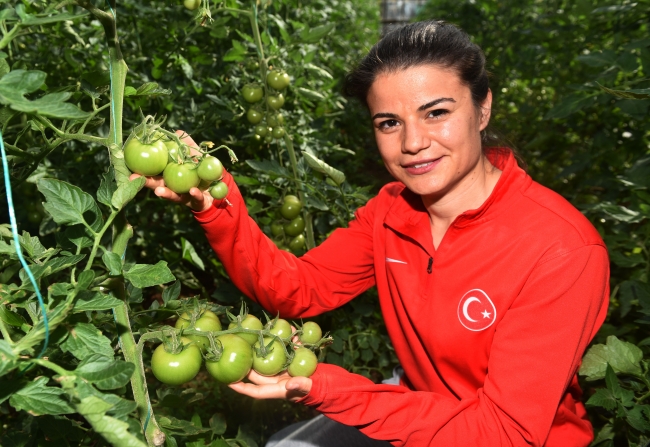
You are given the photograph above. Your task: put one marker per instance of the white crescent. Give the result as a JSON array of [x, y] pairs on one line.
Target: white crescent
[[466, 305]]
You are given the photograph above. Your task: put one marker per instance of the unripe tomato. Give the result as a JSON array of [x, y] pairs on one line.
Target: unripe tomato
[[303, 364], [268, 138], [278, 132], [181, 178], [278, 80], [275, 119], [275, 101], [297, 243], [208, 322], [173, 150], [311, 333], [192, 4], [295, 227], [281, 328], [274, 361], [290, 209], [252, 93], [210, 169], [250, 322], [261, 130], [219, 191], [176, 369], [254, 116], [235, 362], [276, 229], [146, 159]]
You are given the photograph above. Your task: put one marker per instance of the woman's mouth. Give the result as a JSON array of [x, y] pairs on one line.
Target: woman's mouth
[[421, 167]]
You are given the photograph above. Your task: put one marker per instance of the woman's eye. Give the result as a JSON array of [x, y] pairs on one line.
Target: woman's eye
[[438, 113], [387, 124]]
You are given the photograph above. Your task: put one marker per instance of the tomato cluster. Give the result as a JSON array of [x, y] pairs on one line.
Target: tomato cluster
[[269, 125], [230, 355], [156, 154], [288, 231]]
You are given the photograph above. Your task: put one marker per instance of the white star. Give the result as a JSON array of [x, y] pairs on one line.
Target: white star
[[486, 314]]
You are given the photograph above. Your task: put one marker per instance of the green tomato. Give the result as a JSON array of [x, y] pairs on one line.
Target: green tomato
[[192, 4], [181, 178], [275, 119], [281, 328], [278, 80], [297, 243], [219, 191], [235, 362], [174, 151], [311, 333], [295, 227], [275, 101], [278, 132], [276, 229], [290, 209], [268, 138], [261, 130], [304, 363], [208, 322], [252, 93], [250, 322], [146, 159], [274, 361], [254, 116], [176, 369], [210, 168]]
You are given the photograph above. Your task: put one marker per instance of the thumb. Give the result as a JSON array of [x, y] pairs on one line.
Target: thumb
[[299, 384]]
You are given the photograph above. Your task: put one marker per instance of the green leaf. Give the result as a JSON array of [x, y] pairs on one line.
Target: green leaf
[[634, 292], [190, 254], [639, 418], [113, 263], [75, 237], [310, 94], [113, 430], [315, 34], [600, 59], [176, 426], [641, 93], [569, 105], [623, 357], [85, 339], [33, 247], [319, 165], [37, 398], [218, 424], [126, 192], [268, 166], [172, 292], [8, 360], [48, 268], [236, 53], [18, 83], [105, 372], [85, 279], [39, 20], [319, 71], [67, 203], [11, 318], [146, 275], [151, 88], [107, 188], [95, 301], [602, 398]]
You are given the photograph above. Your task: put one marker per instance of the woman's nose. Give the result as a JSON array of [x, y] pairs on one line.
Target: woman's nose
[[415, 138]]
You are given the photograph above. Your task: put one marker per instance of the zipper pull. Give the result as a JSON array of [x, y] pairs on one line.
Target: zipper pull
[[429, 270]]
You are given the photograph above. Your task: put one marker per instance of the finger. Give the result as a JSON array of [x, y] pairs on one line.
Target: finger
[[168, 194], [299, 384], [271, 391], [259, 379]]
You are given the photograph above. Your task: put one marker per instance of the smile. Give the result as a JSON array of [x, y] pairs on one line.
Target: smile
[[421, 167]]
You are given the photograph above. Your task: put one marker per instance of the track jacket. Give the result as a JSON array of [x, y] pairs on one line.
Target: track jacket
[[490, 328]]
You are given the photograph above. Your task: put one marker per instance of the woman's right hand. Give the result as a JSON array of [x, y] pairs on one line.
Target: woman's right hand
[[196, 199]]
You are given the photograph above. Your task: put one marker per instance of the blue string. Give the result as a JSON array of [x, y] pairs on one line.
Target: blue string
[[146, 421], [19, 252]]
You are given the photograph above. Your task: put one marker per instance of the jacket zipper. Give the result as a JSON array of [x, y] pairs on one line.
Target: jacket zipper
[[429, 269]]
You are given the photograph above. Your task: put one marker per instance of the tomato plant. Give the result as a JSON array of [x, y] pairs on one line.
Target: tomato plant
[[192, 4], [252, 93], [180, 178], [146, 159], [235, 361], [176, 368], [295, 227], [275, 101], [304, 363], [219, 191], [278, 80], [274, 360], [254, 116], [291, 207], [249, 322], [210, 168], [297, 243], [281, 328], [208, 321]]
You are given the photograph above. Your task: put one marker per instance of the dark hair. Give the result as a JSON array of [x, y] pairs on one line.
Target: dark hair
[[422, 43], [432, 42]]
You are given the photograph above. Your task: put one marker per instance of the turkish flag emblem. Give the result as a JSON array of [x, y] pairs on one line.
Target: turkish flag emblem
[[476, 311]]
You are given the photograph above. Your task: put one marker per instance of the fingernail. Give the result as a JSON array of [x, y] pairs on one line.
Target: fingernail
[[292, 386]]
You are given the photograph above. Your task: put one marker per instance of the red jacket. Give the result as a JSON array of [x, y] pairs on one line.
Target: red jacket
[[490, 328]]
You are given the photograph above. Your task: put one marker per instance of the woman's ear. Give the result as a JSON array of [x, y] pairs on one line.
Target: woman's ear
[[486, 110]]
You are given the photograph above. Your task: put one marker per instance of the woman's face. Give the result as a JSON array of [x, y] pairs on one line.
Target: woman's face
[[428, 129]]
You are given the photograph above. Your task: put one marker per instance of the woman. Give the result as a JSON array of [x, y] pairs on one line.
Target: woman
[[491, 285]]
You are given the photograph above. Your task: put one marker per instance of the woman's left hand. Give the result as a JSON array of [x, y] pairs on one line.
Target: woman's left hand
[[281, 386]]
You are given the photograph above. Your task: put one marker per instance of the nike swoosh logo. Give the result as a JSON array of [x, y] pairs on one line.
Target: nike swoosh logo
[[397, 261]]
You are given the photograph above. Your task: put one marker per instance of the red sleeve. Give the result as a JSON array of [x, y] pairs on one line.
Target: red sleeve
[[536, 351], [323, 279]]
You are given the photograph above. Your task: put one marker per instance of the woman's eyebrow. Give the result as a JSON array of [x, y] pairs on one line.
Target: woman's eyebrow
[[421, 108], [435, 102]]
